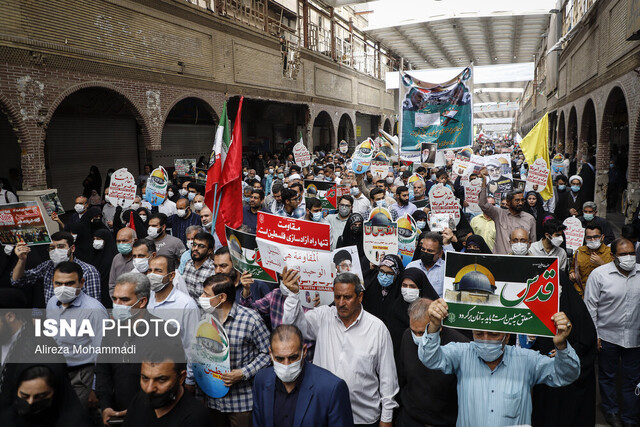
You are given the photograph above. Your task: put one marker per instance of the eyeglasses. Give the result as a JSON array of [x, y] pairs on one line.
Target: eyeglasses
[[597, 237]]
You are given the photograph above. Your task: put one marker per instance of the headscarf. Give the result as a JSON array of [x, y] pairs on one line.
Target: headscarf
[[83, 242], [418, 277], [146, 212], [348, 238], [537, 212], [87, 219], [102, 260], [121, 219], [479, 242], [378, 300], [65, 409]]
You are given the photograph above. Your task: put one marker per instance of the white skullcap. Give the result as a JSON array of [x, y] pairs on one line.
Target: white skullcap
[[578, 177]]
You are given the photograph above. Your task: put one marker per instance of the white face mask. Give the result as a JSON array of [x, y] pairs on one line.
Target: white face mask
[[519, 248], [170, 194], [198, 205], [59, 255], [594, 244], [627, 262], [65, 294], [156, 282], [189, 244], [98, 244], [288, 373], [556, 241], [78, 207], [141, 264], [8, 249], [205, 303], [153, 232], [183, 192], [182, 213], [410, 294], [134, 206], [143, 218]]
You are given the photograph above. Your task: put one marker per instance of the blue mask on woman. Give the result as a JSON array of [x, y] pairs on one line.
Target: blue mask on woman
[[385, 279]]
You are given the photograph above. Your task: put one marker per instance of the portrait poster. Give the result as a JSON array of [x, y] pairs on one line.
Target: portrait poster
[[501, 293], [51, 203], [23, 222], [440, 113]]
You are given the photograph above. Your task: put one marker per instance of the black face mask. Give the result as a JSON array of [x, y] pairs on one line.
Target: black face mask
[[32, 410], [427, 258], [356, 231], [160, 400], [473, 251]]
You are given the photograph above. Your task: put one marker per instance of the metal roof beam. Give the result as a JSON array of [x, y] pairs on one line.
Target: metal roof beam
[[439, 44], [488, 36], [517, 32], [416, 48]]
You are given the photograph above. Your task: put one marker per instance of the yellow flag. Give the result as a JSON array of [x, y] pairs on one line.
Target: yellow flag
[[535, 145]]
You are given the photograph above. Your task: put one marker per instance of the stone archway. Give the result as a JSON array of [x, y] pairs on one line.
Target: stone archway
[[346, 131], [588, 130], [572, 131], [561, 147], [15, 139], [323, 132]]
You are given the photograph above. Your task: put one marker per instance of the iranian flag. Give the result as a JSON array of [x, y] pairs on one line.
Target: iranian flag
[[223, 193]]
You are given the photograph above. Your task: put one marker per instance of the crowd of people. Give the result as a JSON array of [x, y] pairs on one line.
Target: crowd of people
[[379, 355]]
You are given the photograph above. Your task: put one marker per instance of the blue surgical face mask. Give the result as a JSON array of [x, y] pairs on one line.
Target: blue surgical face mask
[[124, 248], [122, 312], [421, 224], [562, 187], [416, 339], [385, 279], [381, 203], [588, 217], [488, 350], [246, 199], [316, 216], [191, 196], [433, 177], [575, 188]]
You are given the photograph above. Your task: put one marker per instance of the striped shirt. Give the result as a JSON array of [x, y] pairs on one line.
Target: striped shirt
[[501, 397]]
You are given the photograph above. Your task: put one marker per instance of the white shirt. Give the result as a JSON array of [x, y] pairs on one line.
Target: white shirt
[[7, 196], [537, 249], [360, 205], [362, 355], [435, 274], [180, 307]]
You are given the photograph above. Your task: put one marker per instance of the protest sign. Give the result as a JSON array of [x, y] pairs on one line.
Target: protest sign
[[472, 193], [557, 165], [362, 157], [574, 234], [122, 189], [500, 179], [380, 236], [210, 356], [299, 245], [538, 174], [428, 153], [379, 169], [201, 176], [343, 146], [52, 203], [439, 113], [325, 191], [157, 184], [449, 155], [23, 222], [185, 167], [501, 293], [346, 260], [443, 201], [301, 154], [245, 255], [460, 167], [408, 232]]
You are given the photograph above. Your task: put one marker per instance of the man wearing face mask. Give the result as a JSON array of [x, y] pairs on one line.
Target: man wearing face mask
[[501, 394], [379, 200], [352, 344], [183, 219], [339, 220], [314, 211], [81, 206], [431, 260], [70, 303], [293, 392], [123, 261], [589, 257], [250, 212], [143, 252], [61, 249], [520, 242], [611, 296], [590, 215], [162, 399], [165, 244], [360, 201], [197, 204], [508, 219], [550, 244], [419, 384], [248, 347]]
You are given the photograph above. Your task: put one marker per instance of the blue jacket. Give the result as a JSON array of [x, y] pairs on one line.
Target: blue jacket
[[323, 399]]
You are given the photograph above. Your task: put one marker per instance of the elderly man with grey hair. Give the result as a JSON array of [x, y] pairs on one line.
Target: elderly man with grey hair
[[419, 384], [350, 343], [123, 261], [590, 215]]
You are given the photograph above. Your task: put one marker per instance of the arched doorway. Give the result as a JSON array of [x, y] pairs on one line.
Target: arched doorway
[[561, 134], [188, 133], [10, 166], [346, 131], [387, 126], [572, 131], [614, 140], [588, 133], [92, 126], [323, 136]]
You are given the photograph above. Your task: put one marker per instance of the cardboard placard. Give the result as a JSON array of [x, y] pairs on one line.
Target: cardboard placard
[[301, 155], [538, 174], [362, 157], [380, 235], [210, 356], [245, 255], [23, 222], [157, 184], [122, 189], [501, 293], [443, 201], [574, 233], [343, 147], [408, 233], [51, 203], [186, 168]]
